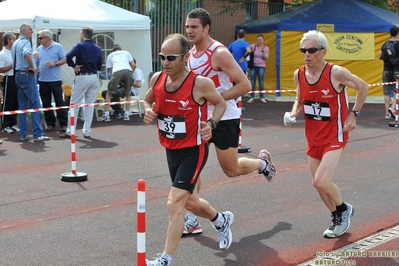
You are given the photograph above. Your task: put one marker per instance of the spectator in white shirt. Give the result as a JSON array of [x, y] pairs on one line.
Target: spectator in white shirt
[[121, 65]]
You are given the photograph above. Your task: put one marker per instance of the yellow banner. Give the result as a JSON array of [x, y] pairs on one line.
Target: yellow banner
[[350, 46]]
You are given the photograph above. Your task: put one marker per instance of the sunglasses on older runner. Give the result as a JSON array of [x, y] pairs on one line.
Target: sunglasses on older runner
[[311, 50], [170, 57]]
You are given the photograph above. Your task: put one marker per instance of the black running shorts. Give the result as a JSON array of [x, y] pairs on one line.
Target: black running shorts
[[226, 134], [185, 165]]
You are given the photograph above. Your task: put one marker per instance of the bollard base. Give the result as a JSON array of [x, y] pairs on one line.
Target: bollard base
[[78, 177], [393, 124], [244, 149]]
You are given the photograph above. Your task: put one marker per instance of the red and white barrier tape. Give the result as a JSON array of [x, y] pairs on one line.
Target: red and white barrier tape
[[136, 101], [273, 91], [62, 107]]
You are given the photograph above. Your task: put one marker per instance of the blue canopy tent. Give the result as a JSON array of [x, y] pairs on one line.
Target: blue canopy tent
[[353, 16]]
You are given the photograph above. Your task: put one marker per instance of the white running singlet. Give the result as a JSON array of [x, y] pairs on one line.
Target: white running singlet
[[202, 65]]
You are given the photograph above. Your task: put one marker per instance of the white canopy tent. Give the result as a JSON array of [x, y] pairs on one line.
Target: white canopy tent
[[66, 18]]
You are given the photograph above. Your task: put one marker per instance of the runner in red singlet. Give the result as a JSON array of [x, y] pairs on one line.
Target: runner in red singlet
[[321, 96], [177, 100]]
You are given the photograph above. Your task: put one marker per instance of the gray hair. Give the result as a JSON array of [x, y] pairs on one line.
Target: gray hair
[[47, 33], [23, 26], [313, 34], [87, 32]]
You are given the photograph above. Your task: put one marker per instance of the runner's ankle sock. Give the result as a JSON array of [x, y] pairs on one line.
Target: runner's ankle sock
[[263, 165], [106, 113], [167, 257], [218, 221], [341, 208]]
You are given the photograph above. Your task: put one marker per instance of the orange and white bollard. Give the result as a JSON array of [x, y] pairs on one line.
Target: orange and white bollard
[[73, 176], [241, 149], [141, 223]]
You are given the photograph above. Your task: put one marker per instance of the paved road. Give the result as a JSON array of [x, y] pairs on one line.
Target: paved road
[[44, 221]]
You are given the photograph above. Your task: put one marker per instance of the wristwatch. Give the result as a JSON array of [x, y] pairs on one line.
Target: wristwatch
[[357, 113], [55, 63], [213, 123]]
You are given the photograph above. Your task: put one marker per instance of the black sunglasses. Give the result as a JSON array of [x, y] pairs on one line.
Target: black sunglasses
[[42, 37], [170, 57], [311, 50]]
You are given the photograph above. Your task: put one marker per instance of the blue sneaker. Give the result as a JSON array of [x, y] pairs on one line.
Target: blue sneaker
[[340, 223], [344, 221]]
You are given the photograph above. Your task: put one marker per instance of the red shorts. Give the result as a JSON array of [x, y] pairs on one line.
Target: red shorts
[[317, 152]]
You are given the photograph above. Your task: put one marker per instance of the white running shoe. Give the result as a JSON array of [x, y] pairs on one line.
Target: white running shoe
[[250, 100], [225, 235], [392, 112], [15, 128], [159, 261], [191, 226], [344, 220], [8, 130], [270, 170], [41, 138], [329, 232], [105, 118], [340, 223]]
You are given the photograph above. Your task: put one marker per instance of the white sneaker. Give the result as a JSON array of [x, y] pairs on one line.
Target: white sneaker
[[15, 128], [105, 118], [159, 261], [126, 117], [250, 100], [191, 227], [392, 112], [41, 138], [8, 130], [329, 232], [225, 235], [263, 100]]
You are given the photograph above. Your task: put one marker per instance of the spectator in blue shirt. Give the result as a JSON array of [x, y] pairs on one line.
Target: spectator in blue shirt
[[88, 60], [240, 50], [25, 78], [51, 56]]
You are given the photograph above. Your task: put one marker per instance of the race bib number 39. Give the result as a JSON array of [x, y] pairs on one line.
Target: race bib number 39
[[172, 127], [317, 111]]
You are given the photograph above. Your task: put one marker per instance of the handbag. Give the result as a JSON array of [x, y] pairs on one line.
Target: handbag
[[251, 58]]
